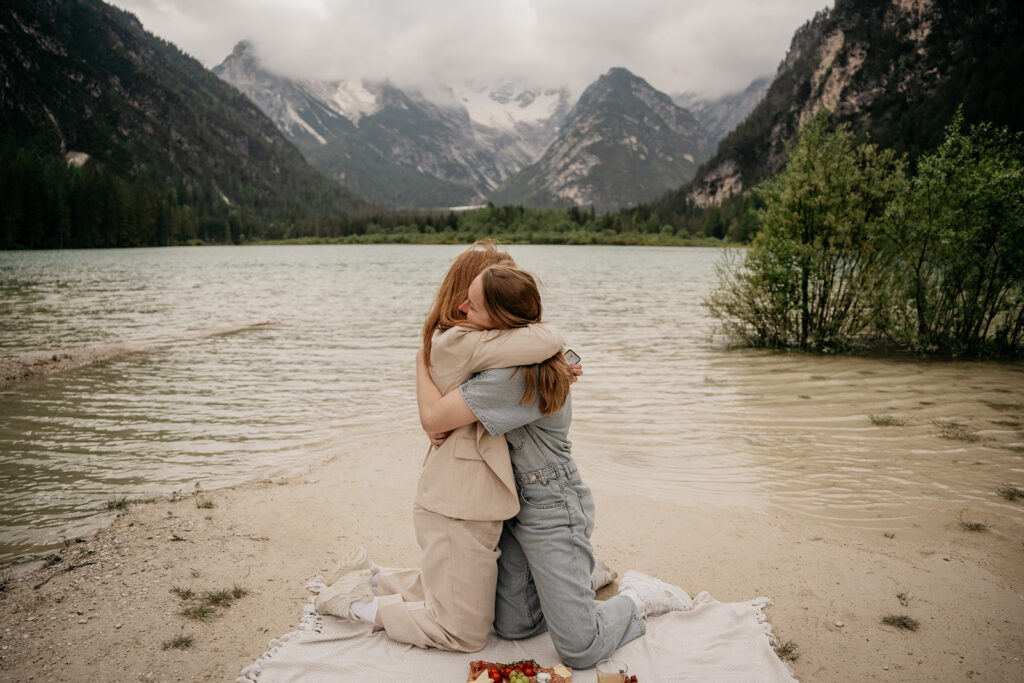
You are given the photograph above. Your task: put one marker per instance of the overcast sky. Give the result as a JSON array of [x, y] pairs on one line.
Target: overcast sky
[[703, 46]]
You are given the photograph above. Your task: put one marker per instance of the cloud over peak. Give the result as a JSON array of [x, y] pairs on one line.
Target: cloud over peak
[[707, 46]]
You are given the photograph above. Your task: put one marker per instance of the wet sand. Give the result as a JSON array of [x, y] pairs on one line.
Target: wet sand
[[831, 584], [28, 365], [34, 364]]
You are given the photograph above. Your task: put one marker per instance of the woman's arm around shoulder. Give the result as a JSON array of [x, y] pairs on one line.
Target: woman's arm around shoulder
[[475, 350]]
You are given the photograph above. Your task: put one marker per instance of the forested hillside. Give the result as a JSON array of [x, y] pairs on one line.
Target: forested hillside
[[164, 152]]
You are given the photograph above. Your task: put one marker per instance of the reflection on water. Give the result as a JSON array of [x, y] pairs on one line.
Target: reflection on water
[[663, 410]]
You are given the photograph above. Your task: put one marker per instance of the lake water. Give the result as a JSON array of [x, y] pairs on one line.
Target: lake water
[[258, 361]]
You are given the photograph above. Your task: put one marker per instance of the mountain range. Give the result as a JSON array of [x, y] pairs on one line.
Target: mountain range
[[173, 153], [503, 142], [720, 115], [624, 142], [397, 146]]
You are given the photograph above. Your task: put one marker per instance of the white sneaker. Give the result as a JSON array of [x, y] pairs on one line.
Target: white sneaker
[[602, 575], [657, 596], [337, 598], [354, 560]]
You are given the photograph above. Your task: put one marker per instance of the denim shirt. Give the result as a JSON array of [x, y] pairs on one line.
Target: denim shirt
[[536, 442]]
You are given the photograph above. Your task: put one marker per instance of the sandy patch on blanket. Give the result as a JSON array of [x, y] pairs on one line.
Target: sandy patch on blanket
[[110, 620]]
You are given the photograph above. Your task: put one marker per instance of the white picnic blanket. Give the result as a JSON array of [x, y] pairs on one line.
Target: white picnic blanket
[[716, 642]]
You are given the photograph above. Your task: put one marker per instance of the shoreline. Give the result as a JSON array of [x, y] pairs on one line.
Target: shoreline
[[110, 617], [423, 239], [29, 365], [25, 366]]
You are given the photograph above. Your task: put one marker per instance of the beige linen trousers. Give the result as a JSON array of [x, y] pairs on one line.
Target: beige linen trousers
[[465, 491]]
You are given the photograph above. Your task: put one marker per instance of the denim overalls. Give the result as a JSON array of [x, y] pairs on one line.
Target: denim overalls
[[546, 557]]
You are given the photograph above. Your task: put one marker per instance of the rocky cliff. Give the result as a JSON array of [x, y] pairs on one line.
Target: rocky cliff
[[893, 69]]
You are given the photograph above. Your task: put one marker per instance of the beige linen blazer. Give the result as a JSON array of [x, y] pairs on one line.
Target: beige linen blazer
[[470, 475]]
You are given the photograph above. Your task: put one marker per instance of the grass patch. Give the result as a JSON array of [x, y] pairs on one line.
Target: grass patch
[[204, 503], [904, 598], [887, 421], [1010, 492], [217, 598], [903, 621], [181, 642], [956, 431], [183, 593], [200, 612], [118, 503], [206, 606], [786, 650], [968, 525]]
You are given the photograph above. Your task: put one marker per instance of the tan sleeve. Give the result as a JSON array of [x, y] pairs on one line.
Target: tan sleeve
[[459, 353], [517, 346]]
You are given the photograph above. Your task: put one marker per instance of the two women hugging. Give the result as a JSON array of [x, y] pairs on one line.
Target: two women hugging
[[502, 517]]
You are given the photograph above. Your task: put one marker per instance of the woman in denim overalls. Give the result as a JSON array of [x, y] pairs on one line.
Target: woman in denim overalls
[[546, 557]]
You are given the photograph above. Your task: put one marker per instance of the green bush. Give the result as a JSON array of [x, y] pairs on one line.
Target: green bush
[[807, 280], [851, 253], [957, 237]]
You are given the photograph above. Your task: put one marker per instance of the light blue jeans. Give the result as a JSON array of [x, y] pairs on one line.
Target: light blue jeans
[[544, 572]]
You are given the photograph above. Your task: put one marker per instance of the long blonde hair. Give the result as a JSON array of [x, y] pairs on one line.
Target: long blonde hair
[[444, 313], [512, 299]]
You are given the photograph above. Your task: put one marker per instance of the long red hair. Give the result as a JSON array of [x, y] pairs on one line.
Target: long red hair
[[444, 313]]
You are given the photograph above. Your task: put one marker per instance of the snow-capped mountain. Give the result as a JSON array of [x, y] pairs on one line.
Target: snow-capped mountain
[[302, 110], [399, 146], [720, 115], [516, 121]]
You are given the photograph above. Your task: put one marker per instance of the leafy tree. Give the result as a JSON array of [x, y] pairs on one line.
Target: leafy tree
[[808, 277], [957, 236]]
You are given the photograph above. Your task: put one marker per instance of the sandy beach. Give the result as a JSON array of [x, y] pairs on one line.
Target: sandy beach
[[107, 609]]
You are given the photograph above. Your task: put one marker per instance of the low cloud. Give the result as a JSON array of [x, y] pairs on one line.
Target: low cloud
[[704, 46]]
